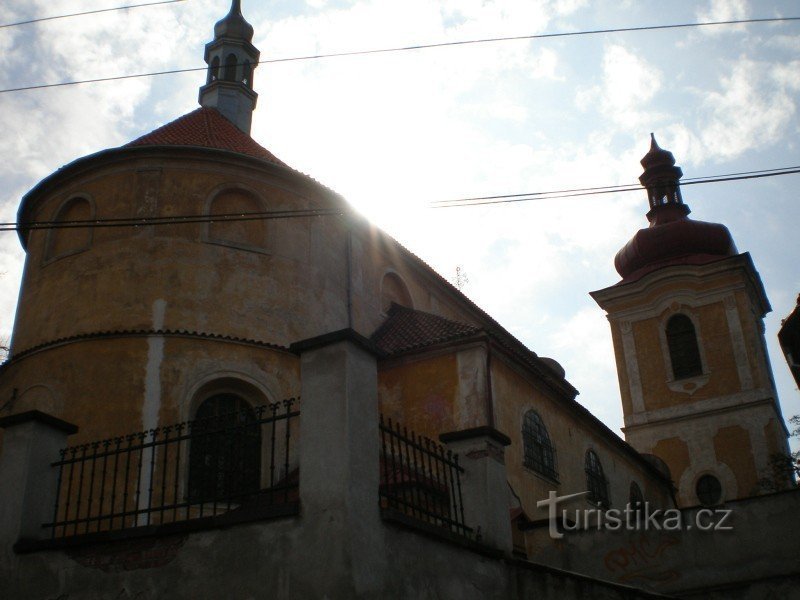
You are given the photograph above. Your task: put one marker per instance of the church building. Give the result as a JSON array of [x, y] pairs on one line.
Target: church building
[[223, 382]]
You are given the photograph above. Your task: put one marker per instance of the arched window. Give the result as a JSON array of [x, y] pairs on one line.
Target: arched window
[[684, 353], [708, 490], [245, 235], [230, 68], [66, 241], [596, 481], [539, 452], [213, 71], [636, 498], [247, 74], [394, 290], [225, 451]]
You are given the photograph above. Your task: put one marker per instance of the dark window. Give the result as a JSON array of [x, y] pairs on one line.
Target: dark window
[[709, 490], [596, 481], [225, 451], [683, 351], [247, 74], [539, 452], [636, 497], [230, 68], [213, 71]]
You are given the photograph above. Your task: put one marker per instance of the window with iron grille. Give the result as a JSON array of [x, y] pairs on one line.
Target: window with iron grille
[[225, 450], [540, 455], [684, 353], [596, 481]]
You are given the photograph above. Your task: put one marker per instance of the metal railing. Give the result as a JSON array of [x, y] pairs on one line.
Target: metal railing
[[180, 472], [421, 479]]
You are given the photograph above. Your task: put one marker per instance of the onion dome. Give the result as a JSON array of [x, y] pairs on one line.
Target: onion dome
[[672, 237], [234, 24]]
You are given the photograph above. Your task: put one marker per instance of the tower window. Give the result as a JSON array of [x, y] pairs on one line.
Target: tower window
[[213, 72], [684, 353], [596, 481], [247, 74], [708, 490], [225, 452], [539, 452], [230, 68]]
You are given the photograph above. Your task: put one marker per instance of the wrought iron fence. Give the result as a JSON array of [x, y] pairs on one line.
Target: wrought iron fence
[[421, 479], [190, 470]]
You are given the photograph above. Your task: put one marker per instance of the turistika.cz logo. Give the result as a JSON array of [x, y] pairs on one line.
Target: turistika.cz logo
[[630, 518]]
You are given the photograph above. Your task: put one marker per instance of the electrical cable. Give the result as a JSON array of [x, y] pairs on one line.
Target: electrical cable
[[407, 48], [88, 12], [322, 212]]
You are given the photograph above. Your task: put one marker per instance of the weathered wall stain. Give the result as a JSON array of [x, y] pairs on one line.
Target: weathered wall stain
[[641, 559]]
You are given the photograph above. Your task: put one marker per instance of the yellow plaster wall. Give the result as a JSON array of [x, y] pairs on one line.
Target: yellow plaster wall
[[571, 435], [99, 385], [716, 352], [732, 446], [421, 394], [675, 453], [296, 288]]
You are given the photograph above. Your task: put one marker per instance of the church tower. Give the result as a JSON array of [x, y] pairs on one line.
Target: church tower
[[231, 59], [687, 325]]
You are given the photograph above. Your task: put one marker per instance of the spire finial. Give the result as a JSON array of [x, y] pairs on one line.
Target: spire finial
[[661, 178]]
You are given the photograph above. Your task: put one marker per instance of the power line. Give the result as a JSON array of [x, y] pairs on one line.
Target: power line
[[408, 48], [88, 12], [172, 220], [322, 212], [578, 192]]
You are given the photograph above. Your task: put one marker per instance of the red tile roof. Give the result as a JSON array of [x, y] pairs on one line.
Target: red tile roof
[[206, 128], [407, 329]]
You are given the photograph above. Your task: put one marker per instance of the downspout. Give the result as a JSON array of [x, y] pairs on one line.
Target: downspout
[[489, 396], [349, 276]]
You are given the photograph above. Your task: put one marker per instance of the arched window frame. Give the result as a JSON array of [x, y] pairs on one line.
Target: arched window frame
[[391, 274], [683, 347], [231, 63], [596, 482], [206, 233], [247, 74], [48, 256], [688, 385], [213, 70], [539, 454], [224, 462]]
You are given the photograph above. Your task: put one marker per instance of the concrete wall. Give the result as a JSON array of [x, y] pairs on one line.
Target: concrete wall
[[758, 558], [272, 560]]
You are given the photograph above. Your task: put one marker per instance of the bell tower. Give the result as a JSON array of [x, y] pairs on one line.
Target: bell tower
[[231, 59], [687, 324]]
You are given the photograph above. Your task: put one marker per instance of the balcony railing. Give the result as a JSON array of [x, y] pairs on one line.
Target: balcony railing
[[186, 471], [421, 479]]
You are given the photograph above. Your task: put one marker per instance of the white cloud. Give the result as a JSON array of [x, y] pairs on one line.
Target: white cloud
[[723, 10], [628, 85], [751, 109]]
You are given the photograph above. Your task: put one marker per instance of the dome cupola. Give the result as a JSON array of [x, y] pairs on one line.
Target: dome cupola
[[672, 237], [234, 25]]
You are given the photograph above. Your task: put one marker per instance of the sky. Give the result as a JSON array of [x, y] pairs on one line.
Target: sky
[[394, 132]]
